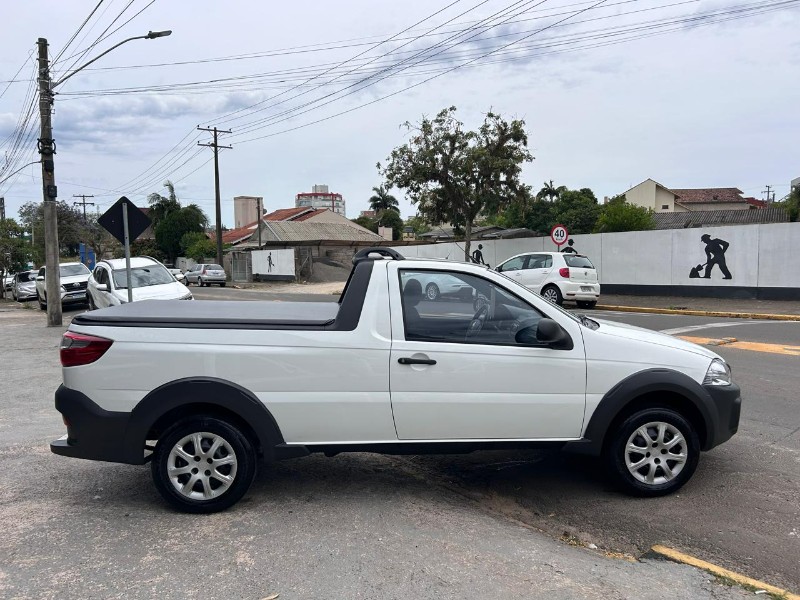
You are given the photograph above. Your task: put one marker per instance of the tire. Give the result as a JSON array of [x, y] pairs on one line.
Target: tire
[[42, 305], [662, 426], [14, 294], [200, 282], [587, 303], [222, 284], [551, 293], [432, 291], [90, 301], [221, 494]]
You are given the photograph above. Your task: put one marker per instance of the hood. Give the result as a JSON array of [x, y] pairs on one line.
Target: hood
[[75, 278], [165, 291], [648, 336]]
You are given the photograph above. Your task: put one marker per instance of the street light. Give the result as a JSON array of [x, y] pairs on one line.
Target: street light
[[47, 149]]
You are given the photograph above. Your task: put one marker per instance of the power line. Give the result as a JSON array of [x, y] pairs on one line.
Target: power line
[[74, 35]]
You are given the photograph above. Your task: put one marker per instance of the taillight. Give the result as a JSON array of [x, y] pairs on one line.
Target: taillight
[[564, 272], [80, 349]]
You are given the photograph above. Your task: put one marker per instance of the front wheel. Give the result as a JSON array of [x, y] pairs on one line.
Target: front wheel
[[586, 303], [552, 294], [203, 465], [653, 452]]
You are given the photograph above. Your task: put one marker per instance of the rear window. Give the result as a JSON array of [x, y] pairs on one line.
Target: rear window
[[214, 268], [579, 262]]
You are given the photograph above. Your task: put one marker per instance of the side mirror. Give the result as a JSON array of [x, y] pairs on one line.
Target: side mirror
[[499, 268], [102, 287], [40, 278], [545, 333]]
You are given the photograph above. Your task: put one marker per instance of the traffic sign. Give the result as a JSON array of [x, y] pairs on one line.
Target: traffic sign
[[559, 235], [112, 220]]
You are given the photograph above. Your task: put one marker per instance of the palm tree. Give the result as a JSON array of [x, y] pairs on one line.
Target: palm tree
[[383, 201], [550, 191], [161, 206]]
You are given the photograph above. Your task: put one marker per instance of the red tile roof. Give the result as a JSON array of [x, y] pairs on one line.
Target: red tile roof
[[233, 236], [708, 195], [286, 214]]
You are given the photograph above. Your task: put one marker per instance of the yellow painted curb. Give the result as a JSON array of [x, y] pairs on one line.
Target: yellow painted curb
[[722, 572], [699, 313], [753, 346]]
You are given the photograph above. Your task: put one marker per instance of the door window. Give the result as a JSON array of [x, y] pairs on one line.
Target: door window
[[514, 264], [480, 313], [540, 261]]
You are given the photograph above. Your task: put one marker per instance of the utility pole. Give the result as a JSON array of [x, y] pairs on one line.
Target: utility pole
[[2, 209], [47, 148], [216, 148], [84, 202], [767, 191], [260, 216]]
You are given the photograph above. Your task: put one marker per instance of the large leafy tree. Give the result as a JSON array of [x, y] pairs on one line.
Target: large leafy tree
[[161, 206], [382, 201], [619, 215], [71, 228], [15, 251], [172, 221], [452, 174], [577, 210], [792, 204]]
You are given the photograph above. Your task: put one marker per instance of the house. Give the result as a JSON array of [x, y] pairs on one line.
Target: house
[[712, 218], [660, 199]]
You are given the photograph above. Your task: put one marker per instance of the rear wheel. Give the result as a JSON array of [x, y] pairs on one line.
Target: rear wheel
[[587, 303], [552, 294], [200, 282], [90, 301], [653, 453], [203, 465], [432, 291], [42, 305], [222, 284]]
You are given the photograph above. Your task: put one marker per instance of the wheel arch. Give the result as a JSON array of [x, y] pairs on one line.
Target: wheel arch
[[208, 396], [662, 388]]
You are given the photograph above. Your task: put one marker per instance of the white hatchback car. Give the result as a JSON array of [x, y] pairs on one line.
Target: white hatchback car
[[151, 281], [556, 276]]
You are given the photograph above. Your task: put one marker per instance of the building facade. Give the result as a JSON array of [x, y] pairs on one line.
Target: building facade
[[245, 210], [321, 197]]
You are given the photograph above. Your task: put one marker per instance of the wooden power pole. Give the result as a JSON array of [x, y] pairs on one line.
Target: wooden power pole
[[83, 201], [215, 145]]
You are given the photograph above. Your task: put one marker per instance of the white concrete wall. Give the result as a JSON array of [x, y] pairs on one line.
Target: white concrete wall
[[758, 255]]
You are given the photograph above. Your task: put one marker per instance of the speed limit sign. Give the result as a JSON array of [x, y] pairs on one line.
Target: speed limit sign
[[559, 235]]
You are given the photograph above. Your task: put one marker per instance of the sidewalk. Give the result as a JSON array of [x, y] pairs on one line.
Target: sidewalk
[[728, 305]]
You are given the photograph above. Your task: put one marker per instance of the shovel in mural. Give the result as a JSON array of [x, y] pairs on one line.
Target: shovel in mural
[[695, 272]]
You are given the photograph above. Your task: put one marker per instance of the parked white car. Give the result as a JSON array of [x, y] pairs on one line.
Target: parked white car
[[108, 284], [202, 390], [74, 277], [178, 275], [557, 276]]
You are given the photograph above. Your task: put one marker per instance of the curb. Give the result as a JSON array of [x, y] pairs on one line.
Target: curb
[[680, 557], [699, 313]]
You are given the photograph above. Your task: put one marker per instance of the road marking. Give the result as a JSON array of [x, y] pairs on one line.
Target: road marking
[[753, 346], [687, 559], [690, 328]]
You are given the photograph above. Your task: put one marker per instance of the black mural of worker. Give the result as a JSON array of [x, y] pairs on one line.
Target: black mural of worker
[[569, 248], [715, 255], [477, 255], [269, 263]]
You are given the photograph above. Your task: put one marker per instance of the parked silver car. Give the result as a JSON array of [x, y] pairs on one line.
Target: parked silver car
[[23, 287], [206, 274]]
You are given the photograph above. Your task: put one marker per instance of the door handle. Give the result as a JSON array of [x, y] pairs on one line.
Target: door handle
[[416, 361]]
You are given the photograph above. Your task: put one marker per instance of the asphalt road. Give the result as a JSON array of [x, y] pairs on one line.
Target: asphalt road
[[494, 524]]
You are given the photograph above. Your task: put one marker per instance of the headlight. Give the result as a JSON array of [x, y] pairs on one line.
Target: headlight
[[186, 297], [719, 373], [63, 289]]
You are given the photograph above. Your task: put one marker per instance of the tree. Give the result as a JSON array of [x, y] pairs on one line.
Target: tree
[[418, 224], [619, 215], [792, 204], [14, 250], [454, 175], [550, 192], [383, 201], [171, 229], [391, 218], [97, 238], [577, 210], [161, 206], [70, 228], [367, 223], [197, 246]]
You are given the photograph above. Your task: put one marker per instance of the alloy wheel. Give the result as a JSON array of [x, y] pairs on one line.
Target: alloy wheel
[[656, 453], [202, 466]]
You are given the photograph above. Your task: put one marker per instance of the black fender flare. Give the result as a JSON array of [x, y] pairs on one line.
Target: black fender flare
[[640, 384], [209, 391]]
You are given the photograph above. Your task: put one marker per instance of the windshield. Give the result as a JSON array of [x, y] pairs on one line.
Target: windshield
[[26, 276], [578, 262], [70, 270], [142, 277], [555, 306]]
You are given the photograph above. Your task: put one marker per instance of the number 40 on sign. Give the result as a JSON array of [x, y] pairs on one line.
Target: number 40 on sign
[[559, 235]]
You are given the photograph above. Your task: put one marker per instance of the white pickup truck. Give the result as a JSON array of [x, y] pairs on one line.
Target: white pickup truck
[[203, 390]]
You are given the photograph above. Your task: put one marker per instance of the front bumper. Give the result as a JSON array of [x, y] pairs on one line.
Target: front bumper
[[727, 402], [73, 296], [25, 294], [93, 433]]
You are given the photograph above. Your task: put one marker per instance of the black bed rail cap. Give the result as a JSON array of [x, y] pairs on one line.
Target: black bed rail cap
[[365, 254]]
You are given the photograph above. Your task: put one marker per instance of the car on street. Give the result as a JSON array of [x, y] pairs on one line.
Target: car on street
[[108, 284], [557, 276], [206, 274], [437, 285], [178, 275], [23, 287], [74, 277], [8, 281], [218, 385]]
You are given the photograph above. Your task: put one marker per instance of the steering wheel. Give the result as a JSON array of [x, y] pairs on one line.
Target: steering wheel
[[476, 324]]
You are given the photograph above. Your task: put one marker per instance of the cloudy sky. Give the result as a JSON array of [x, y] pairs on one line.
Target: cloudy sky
[[697, 93]]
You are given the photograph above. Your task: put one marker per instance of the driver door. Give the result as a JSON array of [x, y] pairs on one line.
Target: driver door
[[448, 385]]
